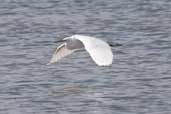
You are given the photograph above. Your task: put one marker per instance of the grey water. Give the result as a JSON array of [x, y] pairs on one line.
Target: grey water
[[138, 81]]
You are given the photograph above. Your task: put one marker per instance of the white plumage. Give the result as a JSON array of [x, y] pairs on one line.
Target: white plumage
[[99, 50]]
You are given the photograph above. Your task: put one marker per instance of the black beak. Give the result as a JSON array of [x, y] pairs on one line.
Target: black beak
[[58, 41]]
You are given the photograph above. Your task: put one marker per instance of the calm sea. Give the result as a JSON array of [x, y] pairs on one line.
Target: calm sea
[[138, 82]]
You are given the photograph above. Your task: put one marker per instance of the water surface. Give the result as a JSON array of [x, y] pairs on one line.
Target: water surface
[[138, 82]]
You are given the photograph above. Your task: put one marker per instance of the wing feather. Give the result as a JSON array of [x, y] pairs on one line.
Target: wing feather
[[99, 50], [60, 52]]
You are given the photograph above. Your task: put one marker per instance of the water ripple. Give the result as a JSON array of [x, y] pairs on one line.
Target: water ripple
[[138, 81]]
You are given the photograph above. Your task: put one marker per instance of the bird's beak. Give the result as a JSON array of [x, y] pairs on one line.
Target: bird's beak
[[59, 41], [62, 40]]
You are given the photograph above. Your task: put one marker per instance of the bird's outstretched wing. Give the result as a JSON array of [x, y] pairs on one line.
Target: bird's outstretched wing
[[60, 52], [99, 50]]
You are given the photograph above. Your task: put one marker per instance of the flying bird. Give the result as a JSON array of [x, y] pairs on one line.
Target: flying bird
[[99, 50]]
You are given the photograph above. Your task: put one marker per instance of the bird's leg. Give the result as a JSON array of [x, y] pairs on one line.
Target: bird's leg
[[114, 45]]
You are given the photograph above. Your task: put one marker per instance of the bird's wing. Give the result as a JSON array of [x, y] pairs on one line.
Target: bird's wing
[[99, 50], [60, 52]]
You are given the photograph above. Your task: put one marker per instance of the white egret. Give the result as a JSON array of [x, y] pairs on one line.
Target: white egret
[[99, 50]]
